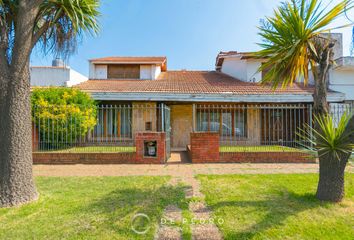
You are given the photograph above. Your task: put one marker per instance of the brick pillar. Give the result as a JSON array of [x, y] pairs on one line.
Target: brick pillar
[[35, 138], [205, 147], [141, 138]]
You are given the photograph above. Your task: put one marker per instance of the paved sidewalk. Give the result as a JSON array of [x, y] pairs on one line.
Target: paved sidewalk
[[172, 169]]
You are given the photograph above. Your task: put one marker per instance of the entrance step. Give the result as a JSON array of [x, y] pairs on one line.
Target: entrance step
[[179, 157]]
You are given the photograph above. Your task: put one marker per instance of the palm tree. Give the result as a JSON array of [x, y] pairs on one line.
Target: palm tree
[[55, 26], [297, 43]]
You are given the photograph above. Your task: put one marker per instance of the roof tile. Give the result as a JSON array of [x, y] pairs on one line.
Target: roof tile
[[189, 82]]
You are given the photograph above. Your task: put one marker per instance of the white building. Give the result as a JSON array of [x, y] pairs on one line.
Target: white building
[[244, 66], [57, 75]]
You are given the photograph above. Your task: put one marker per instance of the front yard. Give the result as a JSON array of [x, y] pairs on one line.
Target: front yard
[[274, 206], [277, 206], [90, 208]]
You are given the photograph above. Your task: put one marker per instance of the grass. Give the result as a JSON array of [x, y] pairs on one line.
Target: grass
[[258, 149], [90, 208], [96, 149], [277, 206]]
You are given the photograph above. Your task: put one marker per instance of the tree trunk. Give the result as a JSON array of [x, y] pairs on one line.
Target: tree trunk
[[320, 105], [331, 182], [16, 180]]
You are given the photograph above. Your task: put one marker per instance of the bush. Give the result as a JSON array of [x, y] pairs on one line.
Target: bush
[[62, 116]]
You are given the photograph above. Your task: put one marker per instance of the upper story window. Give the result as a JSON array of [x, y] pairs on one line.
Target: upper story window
[[123, 71]]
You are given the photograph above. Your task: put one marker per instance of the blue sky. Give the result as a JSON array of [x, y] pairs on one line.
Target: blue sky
[[189, 32]]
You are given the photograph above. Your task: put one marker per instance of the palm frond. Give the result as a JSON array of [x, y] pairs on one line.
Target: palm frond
[[330, 138], [290, 38], [63, 23]]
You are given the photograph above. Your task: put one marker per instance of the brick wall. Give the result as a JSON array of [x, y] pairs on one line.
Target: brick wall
[[83, 158], [160, 138], [110, 158], [266, 157], [204, 147]]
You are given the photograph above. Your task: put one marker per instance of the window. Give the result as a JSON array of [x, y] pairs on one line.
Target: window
[[208, 121], [114, 122], [240, 123], [123, 71], [229, 122]]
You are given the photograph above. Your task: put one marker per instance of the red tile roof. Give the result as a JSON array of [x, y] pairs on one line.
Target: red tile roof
[[188, 82]]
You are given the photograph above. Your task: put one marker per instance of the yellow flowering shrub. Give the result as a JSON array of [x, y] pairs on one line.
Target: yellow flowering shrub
[[62, 115]]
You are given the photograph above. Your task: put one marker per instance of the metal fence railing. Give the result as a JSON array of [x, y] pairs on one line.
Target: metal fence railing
[[259, 127], [104, 128]]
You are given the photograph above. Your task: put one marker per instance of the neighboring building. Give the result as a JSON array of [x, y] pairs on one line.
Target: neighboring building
[[341, 77], [57, 75]]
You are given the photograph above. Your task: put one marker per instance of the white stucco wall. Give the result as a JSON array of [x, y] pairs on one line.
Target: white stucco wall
[[75, 78], [244, 70], [252, 71], [55, 76], [342, 81], [49, 76], [99, 72], [235, 67], [149, 72], [156, 70], [145, 72]]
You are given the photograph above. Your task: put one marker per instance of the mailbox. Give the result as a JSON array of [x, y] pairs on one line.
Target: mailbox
[[150, 148]]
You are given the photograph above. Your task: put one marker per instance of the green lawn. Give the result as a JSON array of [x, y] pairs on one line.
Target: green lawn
[[97, 149], [90, 208], [271, 148], [278, 207]]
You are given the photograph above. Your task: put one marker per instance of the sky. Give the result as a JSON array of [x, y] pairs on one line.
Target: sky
[[190, 33]]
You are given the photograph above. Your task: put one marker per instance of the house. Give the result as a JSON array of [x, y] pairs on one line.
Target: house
[[224, 115], [57, 75], [229, 100]]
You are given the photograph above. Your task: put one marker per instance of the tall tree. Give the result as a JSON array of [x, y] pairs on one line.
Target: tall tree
[[297, 42], [53, 25]]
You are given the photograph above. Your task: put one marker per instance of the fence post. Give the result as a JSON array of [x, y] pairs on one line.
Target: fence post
[[194, 117], [163, 117], [311, 134]]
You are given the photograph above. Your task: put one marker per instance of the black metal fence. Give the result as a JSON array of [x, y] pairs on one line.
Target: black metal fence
[[259, 127], [105, 128]]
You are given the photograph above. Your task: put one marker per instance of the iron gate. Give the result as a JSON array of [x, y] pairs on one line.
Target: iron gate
[[167, 129]]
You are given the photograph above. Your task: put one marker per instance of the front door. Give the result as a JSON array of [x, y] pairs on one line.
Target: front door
[[182, 125]]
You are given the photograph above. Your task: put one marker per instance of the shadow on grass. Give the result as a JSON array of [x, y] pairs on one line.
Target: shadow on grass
[[277, 209], [119, 206]]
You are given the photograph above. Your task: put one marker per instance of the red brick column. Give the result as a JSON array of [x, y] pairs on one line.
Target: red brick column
[[35, 138], [160, 139], [205, 147]]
